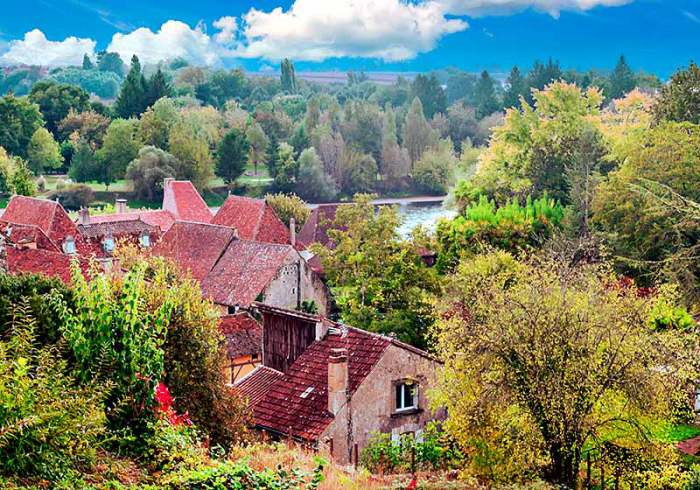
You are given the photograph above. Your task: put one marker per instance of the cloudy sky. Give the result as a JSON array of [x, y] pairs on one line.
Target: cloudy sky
[[398, 35]]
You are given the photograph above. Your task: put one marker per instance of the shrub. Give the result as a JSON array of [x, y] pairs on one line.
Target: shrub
[[49, 426], [435, 451], [74, 196], [287, 206], [510, 227]]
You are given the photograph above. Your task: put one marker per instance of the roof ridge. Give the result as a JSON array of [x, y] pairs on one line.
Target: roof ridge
[[260, 219]]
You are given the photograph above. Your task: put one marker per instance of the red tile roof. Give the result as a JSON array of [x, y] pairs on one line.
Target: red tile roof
[[159, 218], [243, 272], [253, 218], [315, 230], [242, 335], [26, 234], [195, 246], [36, 261], [257, 383], [49, 217], [183, 201], [283, 407]]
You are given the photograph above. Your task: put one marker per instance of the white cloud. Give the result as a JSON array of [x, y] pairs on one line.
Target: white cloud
[[35, 49], [173, 39], [314, 30], [228, 27], [479, 8]]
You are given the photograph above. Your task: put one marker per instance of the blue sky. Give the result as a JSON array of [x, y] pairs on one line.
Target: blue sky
[[655, 35]]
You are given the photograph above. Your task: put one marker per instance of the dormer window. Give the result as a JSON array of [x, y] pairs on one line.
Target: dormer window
[[108, 243], [69, 245], [145, 239]]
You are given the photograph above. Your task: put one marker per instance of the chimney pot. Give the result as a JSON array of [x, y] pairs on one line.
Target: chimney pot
[[84, 215], [293, 231], [121, 206]]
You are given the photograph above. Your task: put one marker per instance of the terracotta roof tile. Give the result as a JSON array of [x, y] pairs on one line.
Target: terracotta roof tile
[[284, 407], [36, 261], [253, 218], [257, 383], [315, 230], [243, 272], [158, 218], [184, 202], [26, 234], [242, 335], [49, 217], [195, 246]]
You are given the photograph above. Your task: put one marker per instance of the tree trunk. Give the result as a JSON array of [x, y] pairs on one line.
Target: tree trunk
[[565, 465]]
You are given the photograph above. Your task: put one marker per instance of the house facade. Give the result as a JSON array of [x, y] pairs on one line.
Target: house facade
[[335, 385]]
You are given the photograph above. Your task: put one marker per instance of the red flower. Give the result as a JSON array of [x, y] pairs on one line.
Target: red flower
[[413, 483], [165, 401]]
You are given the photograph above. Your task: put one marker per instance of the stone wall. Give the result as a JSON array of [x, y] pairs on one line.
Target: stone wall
[[296, 282], [3, 256], [372, 409]]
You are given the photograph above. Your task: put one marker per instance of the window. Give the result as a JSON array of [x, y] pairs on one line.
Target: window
[[145, 239], [108, 243], [406, 396], [69, 245], [255, 357]]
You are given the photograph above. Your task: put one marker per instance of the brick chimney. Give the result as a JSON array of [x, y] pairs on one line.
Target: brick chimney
[[337, 380], [292, 231], [84, 216], [121, 206]]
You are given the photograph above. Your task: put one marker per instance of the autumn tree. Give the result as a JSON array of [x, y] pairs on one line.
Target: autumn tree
[[90, 126], [543, 359], [288, 206], [380, 281], [191, 149]]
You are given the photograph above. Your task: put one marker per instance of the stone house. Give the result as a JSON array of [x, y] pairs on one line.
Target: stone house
[[331, 384], [235, 272]]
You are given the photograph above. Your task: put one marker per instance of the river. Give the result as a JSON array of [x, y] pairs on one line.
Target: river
[[423, 213]]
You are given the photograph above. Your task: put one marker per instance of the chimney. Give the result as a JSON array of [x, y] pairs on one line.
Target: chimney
[[337, 380], [292, 231], [166, 182], [121, 206], [84, 216]]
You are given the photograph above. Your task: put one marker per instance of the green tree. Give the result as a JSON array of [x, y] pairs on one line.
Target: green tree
[[460, 85], [84, 163], [516, 88], [485, 96], [191, 148], [110, 62], [19, 120], [542, 75], [379, 280], [287, 77], [154, 130], [43, 152], [157, 88], [434, 172], [359, 172], [132, 99], [89, 126], [312, 184], [286, 170], [232, 156], [300, 140], [120, 147], [149, 170], [258, 145], [543, 359], [679, 100], [55, 101], [22, 181], [87, 63], [418, 136], [395, 160], [428, 89], [621, 79]]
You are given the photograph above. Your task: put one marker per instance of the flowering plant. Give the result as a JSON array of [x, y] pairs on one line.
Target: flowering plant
[[165, 407]]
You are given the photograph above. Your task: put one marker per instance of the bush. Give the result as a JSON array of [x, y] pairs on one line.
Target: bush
[[49, 426], [74, 196], [510, 228], [435, 451], [288, 206]]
